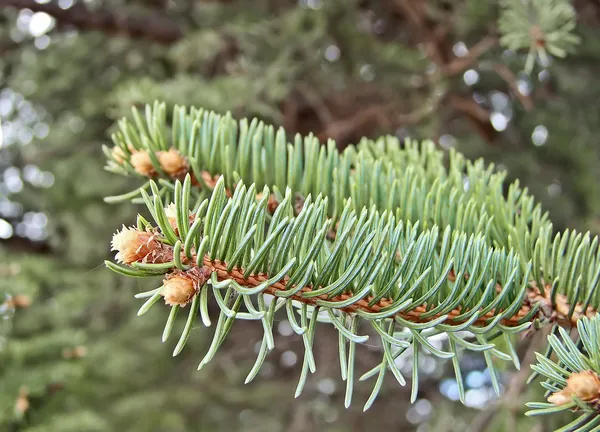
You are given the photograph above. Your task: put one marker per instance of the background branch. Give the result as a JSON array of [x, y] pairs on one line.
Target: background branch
[[150, 27], [507, 75]]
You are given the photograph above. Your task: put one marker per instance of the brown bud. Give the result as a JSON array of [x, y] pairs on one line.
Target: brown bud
[[583, 385], [172, 162], [142, 164], [299, 204], [21, 301], [272, 202], [178, 290], [562, 305], [133, 245], [22, 403]]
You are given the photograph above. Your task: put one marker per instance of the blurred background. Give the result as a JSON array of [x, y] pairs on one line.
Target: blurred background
[[73, 354]]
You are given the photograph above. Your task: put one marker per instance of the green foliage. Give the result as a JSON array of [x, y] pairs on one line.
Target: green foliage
[[381, 250], [105, 389], [411, 182], [542, 26], [362, 264]]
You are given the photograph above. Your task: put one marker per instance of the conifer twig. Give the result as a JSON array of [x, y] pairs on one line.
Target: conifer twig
[[160, 253]]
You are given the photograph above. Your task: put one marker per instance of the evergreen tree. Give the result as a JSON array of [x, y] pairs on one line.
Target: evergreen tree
[[449, 71]]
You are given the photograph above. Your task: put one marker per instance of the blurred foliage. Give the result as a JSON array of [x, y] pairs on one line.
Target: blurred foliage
[[341, 69]]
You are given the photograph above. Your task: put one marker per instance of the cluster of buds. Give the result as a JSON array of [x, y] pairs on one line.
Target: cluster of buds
[[173, 163], [583, 385], [180, 287]]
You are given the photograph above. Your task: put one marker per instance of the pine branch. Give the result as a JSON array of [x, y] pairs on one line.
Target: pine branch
[[377, 271], [419, 250], [150, 27], [412, 183]]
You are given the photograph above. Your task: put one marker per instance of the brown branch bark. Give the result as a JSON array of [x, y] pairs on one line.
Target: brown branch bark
[[414, 12], [314, 100], [383, 115], [413, 315], [21, 244], [469, 107], [477, 115], [341, 129], [460, 64], [556, 311], [439, 51], [149, 27], [507, 75]]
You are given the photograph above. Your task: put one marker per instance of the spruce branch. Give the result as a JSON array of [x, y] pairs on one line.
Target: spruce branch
[[411, 181], [422, 247], [378, 270]]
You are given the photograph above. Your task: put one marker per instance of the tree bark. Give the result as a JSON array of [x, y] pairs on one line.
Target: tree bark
[[150, 27]]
